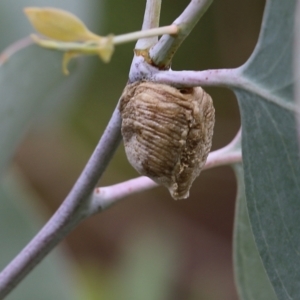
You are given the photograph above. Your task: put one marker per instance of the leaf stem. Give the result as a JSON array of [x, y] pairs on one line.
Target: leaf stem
[[163, 52], [73, 210], [105, 197], [92, 47], [214, 77], [153, 32], [230, 154], [230, 78]]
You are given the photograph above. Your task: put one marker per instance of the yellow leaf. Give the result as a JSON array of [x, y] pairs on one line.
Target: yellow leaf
[[59, 24]]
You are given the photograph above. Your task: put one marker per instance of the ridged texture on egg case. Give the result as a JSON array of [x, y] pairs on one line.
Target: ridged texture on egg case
[[167, 132]]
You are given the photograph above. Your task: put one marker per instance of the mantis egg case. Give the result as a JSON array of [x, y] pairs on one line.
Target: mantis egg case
[[167, 132]]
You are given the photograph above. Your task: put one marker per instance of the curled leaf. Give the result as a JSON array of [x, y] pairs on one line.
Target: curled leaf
[[66, 59], [58, 24]]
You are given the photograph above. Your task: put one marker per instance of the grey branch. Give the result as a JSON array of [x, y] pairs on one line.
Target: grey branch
[[163, 52], [151, 20]]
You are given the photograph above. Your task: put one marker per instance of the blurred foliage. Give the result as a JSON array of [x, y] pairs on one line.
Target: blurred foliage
[[186, 244], [19, 222], [251, 277]]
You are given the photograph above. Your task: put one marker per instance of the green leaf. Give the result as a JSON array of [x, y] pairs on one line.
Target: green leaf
[[270, 65], [250, 275], [18, 224], [27, 78], [270, 150]]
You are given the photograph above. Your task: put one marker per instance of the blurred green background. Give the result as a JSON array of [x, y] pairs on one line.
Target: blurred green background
[[148, 246]]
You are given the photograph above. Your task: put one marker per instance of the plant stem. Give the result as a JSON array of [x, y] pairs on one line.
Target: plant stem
[[230, 154], [71, 212], [163, 52], [154, 32], [151, 20], [104, 197], [230, 78], [93, 47], [13, 48], [217, 77]]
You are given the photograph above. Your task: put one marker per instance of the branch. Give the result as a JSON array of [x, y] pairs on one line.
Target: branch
[[151, 20], [228, 155], [73, 210], [145, 36], [231, 78], [163, 52], [105, 197], [215, 77], [13, 48]]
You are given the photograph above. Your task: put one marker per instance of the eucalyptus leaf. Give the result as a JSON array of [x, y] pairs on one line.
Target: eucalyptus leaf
[[19, 222], [270, 150], [250, 275]]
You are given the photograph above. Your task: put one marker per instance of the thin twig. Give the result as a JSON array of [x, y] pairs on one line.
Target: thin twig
[[230, 154], [163, 52], [151, 20], [145, 36], [13, 48], [93, 47], [105, 197], [71, 212]]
